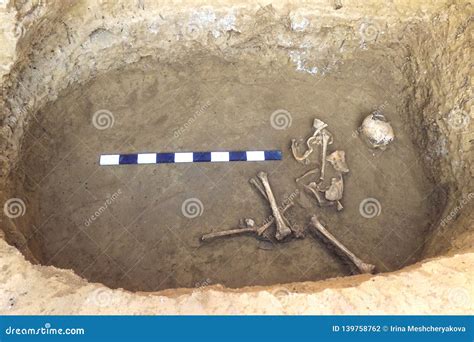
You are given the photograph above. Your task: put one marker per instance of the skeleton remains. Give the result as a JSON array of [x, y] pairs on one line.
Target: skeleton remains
[[338, 161], [283, 229], [250, 227], [361, 266], [333, 194], [376, 131], [283, 226], [315, 184]]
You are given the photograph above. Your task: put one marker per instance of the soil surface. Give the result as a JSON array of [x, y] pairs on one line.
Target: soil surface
[[139, 238]]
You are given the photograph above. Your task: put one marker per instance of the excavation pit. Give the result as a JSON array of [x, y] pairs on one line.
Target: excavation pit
[[217, 85], [131, 226]]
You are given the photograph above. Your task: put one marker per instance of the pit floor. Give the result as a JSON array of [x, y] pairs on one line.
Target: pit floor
[[142, 240]]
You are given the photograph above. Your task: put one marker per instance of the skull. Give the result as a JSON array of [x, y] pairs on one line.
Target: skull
[[376, 131]]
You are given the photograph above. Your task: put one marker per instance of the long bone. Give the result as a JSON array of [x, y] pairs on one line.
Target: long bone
[[326, 139], [259, 230], [261, 189], [282, 229], [361, 266]]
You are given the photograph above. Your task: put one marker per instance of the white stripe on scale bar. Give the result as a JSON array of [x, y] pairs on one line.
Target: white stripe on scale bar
[[255, 155], [219, 156], [146, 158], [183, 157], [109, 159]]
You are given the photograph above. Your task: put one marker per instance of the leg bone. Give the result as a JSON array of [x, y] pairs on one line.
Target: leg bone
[[361, 266], [282, 228]]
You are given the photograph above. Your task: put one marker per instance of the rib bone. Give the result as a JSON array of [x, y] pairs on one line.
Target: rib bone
[[361, 266], [310, 172], [282, 229], [319, 126], [304, 158]]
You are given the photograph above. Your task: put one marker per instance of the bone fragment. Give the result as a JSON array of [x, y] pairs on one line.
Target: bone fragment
[[338, 161], [249, 229], [310, 172], [282, 229], [361, 266], [261, 189], [334, 193], [227, 233], [313, 188], [304, 158], [325, 140], [318, 126]]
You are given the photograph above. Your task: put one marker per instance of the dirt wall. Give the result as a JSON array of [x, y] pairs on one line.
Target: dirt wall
[[48, 46]]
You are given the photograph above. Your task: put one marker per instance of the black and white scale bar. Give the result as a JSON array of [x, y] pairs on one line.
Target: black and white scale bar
[[188, 157]]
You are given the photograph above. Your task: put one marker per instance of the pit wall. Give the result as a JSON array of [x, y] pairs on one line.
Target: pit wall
[[48, 46]]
